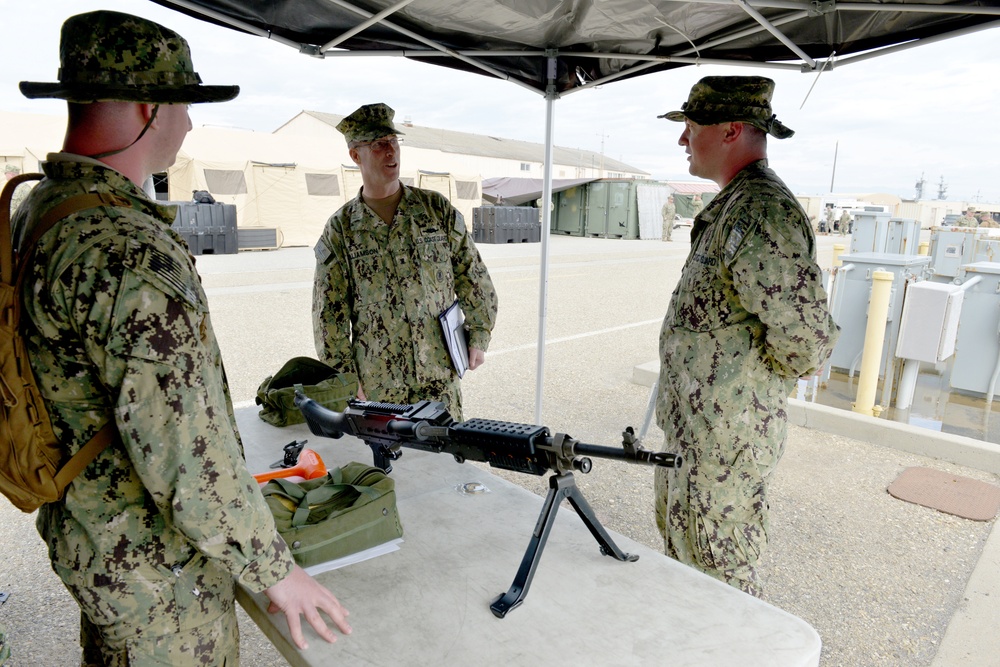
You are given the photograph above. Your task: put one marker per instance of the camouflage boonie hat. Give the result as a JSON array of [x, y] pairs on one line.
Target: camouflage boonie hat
[[724, 99], [368, 123], [11, 169], [110, 56]]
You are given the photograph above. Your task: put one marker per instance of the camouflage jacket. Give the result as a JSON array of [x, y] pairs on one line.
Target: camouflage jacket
[[379, 289], [118, 328], [747, 318]]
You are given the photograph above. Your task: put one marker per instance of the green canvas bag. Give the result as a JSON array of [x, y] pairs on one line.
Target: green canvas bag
[[351, 509], [276, 394]]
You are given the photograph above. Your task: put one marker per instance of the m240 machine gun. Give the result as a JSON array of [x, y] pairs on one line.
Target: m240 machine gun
[[525, 448]]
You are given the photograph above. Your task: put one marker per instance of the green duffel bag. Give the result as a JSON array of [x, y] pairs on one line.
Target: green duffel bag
[[351, 509], [276, 394]]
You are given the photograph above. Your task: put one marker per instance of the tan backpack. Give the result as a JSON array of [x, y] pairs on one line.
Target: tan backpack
[[30, 475]]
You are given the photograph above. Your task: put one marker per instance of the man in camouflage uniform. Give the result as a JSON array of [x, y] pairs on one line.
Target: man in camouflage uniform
[[388, 263], [986, 220], [845, 222], [968, 218], [150, 536], [746, 320], [669, 212]]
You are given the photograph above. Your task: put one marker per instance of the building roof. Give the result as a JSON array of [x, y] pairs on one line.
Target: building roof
[[465, 143], [693, 187]]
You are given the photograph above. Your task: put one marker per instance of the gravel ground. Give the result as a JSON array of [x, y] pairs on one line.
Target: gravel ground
[[878, 578]]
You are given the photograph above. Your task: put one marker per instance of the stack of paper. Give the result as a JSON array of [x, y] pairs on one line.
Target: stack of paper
[[455, 337]]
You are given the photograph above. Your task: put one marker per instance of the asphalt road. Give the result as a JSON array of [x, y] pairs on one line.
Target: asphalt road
[[878, 578]]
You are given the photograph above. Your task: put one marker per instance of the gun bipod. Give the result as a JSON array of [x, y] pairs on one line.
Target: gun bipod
[[561, 485]]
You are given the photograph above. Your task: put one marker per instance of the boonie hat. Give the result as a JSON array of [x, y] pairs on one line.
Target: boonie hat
[[368, 123], [724, 99], [11, 169], [109, 56]]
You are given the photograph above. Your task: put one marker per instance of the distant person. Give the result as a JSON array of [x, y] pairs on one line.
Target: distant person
[[968, 219], [153, 536], [747, 319], [696, 206], [388, 263], [845, 222], [668, 212], [986, 220], [827, 226]]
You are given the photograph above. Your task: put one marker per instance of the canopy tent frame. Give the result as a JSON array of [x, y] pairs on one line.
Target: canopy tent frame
[[750, 38]]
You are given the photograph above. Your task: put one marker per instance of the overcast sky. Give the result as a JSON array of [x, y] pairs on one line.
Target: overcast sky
[[926, 112]]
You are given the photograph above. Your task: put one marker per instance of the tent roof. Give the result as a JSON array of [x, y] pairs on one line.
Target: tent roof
[[594, 41], [465, 143], [518, 191]]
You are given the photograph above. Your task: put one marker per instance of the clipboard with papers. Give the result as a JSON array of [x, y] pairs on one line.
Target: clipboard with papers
[[455, 337]]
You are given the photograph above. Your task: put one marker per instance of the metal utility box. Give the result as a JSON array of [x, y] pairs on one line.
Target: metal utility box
[[875, 231], [570, 211], [851, 292], [612, 211], [977, 350], [954, 247], [929, 324], [602, 209], [208, 228]]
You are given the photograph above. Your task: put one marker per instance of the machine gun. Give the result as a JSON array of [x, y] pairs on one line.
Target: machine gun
[[386, 428]]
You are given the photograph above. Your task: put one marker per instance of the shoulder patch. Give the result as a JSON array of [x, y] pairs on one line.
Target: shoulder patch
[[322, 252], [168, 273], [740, 231]]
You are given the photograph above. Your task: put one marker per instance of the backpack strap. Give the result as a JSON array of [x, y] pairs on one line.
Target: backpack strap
[[11, 265], [87, 454]]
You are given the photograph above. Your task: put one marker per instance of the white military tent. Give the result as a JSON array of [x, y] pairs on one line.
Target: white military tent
[[288, 182]]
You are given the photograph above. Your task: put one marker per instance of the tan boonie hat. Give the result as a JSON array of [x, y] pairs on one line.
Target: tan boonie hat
[[368, 123], [724, 99], [110, 56]]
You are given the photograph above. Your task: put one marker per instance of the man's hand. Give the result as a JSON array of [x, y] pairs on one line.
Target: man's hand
[[299, 594], [476, 358]]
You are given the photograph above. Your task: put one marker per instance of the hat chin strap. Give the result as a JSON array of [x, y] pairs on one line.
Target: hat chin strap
[[149, 122]]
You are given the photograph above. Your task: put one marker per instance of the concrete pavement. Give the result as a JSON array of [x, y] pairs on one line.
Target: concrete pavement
[[884, 582]]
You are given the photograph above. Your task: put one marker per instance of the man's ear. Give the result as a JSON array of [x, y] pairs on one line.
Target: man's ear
[[146, 112], [733, 132], [353, 152]]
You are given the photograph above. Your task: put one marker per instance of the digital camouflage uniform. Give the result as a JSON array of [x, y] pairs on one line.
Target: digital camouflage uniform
[[845, 223], [150, 536], [968, 219], [747, 318], [379, 289], [669, 212]]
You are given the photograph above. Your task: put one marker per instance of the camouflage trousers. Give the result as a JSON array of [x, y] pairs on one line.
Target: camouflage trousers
[[718, 530], [159, 617], [668, 230]]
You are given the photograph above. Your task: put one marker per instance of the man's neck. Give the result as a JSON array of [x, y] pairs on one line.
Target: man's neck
[[384, 207]]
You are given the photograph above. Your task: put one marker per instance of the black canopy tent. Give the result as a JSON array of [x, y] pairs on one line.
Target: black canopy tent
[[559, 47]]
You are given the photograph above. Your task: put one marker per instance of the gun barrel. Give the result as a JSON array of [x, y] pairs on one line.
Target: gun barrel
[[662, 459]]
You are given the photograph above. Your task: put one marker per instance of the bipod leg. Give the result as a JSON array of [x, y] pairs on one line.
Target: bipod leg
[[560, 486], [583, 509]]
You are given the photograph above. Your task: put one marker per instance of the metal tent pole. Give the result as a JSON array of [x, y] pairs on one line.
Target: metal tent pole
[[543, 287]]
